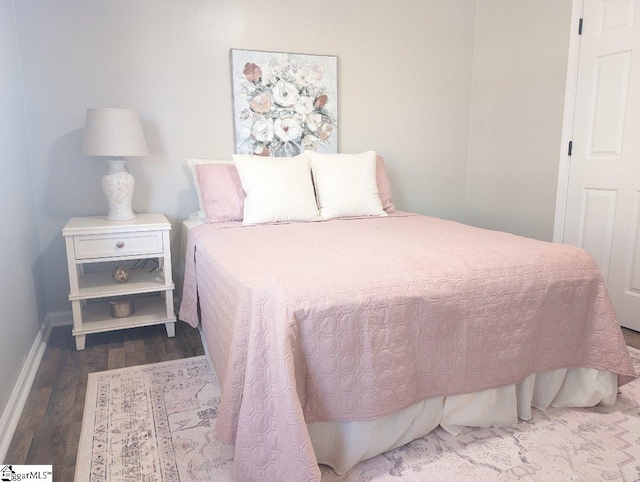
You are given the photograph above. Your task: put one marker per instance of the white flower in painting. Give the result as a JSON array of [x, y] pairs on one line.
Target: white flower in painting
[[303, 77], [317, 71], [290, 74], [262, 130], [310, 142], [314, 121], [284, 93], [267, 76], [287, 129], [280, 68], [304, 105], [243, 128]]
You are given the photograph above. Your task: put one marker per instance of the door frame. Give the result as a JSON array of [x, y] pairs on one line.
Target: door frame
[[571, 91]]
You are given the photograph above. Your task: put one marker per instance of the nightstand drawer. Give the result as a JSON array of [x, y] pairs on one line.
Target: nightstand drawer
[[104, 246]]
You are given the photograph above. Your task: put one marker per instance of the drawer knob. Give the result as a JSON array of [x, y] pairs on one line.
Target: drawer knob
[[120, 244]]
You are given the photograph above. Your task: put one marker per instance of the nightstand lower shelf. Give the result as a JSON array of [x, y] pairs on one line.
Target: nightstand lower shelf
[[96, 318]]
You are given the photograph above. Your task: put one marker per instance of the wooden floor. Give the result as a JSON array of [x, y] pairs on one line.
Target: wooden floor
[[49, 429], [632, 338]]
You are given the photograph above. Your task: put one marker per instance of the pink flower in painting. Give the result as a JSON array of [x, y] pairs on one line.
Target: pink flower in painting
[[321, 100], [261, 103], [252, 72], [287, 129], [285, 94], [325, 131]]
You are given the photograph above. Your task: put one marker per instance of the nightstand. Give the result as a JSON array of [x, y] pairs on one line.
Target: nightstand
[[94, 247]]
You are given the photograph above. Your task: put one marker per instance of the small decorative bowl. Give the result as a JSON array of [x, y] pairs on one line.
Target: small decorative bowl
[[121, 308]]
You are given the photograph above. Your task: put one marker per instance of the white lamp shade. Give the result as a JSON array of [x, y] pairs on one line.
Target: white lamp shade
[[113, 133]]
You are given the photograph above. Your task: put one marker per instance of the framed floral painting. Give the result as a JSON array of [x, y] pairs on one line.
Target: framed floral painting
[[284, 103]]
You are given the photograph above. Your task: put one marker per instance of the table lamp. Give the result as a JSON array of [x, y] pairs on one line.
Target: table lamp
[[116, 134]]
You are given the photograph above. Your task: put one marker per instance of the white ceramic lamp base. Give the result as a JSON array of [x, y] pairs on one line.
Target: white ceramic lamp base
[[118, 185]]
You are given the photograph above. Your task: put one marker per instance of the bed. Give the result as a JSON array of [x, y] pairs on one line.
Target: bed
[[337, 340]]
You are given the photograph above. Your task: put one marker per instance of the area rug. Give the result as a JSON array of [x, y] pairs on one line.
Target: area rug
[[156, 423]]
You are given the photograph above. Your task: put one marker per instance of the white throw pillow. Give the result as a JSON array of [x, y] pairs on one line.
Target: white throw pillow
[[278, 189], [346, 185]]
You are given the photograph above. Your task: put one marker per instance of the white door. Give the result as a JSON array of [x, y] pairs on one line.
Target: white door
[[603, 200]]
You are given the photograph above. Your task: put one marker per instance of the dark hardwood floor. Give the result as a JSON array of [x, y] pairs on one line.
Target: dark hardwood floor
[[49, 429], [632, 338]]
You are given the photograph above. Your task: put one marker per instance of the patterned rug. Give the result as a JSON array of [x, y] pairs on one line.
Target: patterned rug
[[155, 423]]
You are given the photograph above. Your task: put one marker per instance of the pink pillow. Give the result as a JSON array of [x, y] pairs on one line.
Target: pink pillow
[[384, 188], [222, 193]]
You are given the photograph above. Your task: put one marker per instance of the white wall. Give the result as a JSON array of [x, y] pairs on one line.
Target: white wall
[[404, 88], [519, 71], [22, 304]]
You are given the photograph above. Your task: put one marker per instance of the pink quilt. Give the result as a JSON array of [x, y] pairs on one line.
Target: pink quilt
[[355, 319]]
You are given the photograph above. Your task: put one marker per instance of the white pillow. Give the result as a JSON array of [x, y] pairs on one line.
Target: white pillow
[[278, 189], [346, 185], [192, 164]]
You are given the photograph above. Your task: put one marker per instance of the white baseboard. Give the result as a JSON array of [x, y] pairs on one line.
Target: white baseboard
[[60, 318], [13, 410]]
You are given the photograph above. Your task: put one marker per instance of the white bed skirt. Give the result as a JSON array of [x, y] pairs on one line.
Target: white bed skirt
[[342, 445]]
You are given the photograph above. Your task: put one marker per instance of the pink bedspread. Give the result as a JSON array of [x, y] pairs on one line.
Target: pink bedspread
[[354, 319]]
